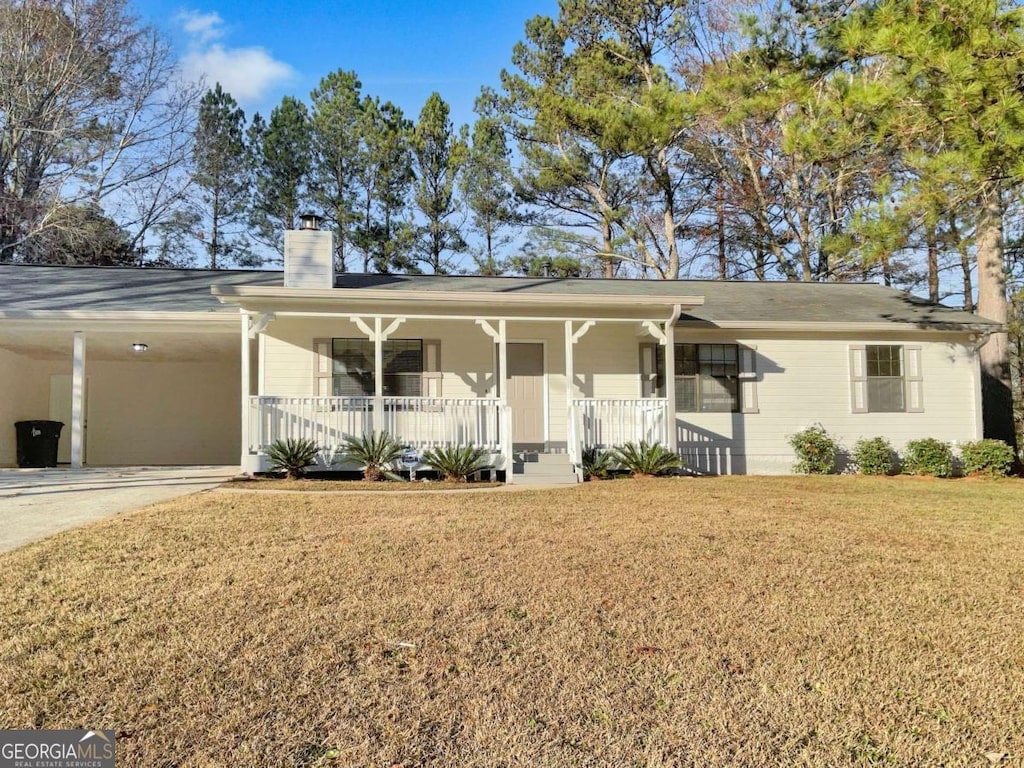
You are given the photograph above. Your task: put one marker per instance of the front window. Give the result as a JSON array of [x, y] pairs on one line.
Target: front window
[[707, 377], [885, 378], [354, 367]]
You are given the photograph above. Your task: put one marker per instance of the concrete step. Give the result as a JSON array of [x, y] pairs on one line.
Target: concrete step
[[542, 469], [541, 459]]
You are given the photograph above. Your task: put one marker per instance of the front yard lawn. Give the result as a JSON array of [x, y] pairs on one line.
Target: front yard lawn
[[731, 621]]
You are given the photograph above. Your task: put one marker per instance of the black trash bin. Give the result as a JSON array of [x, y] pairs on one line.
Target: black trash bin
[[37, 443]]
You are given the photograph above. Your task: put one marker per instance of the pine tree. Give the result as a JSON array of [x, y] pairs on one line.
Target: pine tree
[[335, 123], [219, 155], [487, 192], [439, 154], [280, 153]]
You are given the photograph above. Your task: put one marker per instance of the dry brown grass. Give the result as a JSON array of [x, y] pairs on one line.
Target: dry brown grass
[[322, 484], [734, 621]]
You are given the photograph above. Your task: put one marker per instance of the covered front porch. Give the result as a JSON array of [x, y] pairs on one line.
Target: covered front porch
[[516, 383]]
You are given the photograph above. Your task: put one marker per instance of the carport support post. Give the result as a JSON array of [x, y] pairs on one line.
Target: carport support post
[[78, 401], [246, 386]]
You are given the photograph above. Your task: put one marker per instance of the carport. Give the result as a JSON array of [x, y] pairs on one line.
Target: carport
[[141, 365], [163, 392]]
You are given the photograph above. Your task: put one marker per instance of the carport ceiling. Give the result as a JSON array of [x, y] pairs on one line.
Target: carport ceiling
[[117, 345]]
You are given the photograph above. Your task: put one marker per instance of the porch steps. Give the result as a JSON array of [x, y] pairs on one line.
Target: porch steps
[[542, 469]]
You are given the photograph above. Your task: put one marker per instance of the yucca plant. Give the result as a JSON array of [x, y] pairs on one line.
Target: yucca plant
[[292, 455], [456, 463], [645, 459], [597, 464], [376, 453]]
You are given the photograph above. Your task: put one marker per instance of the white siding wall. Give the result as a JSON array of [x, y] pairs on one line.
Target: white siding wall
[[800, 382], [138, 412], [24, 395], [163, 413]]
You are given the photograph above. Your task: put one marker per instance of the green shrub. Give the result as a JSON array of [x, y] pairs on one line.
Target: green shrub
[[989, 457], [292, 455], [376, 453], [597, 464], [874, 456], [456, 463], [816, 451], [645, 459], [928, 457]]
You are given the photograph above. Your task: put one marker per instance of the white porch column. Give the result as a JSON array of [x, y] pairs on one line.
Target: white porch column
[[246, 389], [78, 401], [378, 376], [502, 377], [571, 337], [670, 385], [670, 377]]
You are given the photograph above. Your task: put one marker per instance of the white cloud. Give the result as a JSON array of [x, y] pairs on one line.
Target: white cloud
[[202, 27], [247, 73]]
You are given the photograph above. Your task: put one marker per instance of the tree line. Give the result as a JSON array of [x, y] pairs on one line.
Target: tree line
[[835, 140]]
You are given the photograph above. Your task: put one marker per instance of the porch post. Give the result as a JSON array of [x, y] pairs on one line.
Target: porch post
[[246, 387], [502, 377], [670, 380], [78, 401], [378, 376], [571, 337]]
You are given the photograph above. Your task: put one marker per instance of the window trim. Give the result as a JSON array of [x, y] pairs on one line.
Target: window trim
[[423, 363], [912, 375], [740, 378]]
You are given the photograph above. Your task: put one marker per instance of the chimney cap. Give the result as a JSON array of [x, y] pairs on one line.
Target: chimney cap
[[309, 221]]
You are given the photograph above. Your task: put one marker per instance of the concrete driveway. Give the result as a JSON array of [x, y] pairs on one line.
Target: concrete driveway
[[36, 503]]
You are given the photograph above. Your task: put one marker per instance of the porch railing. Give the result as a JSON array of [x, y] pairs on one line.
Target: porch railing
[[420, 422], [605, 423]]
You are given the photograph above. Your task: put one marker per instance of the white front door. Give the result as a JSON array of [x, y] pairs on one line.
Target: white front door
[[525, 383]]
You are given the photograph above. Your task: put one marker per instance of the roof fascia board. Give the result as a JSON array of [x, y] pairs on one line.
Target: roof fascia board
[[948, 326], [229, 294]]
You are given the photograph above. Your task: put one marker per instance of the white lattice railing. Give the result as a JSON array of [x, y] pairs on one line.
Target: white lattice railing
[[604, 423], [420, 422]]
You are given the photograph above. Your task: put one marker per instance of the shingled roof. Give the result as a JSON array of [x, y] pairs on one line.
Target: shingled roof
[[113, 289]]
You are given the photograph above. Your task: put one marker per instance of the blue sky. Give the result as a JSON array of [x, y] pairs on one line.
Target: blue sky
[[401, 51]]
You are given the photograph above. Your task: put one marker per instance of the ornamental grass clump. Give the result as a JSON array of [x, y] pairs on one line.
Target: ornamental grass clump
[[292, 455], [928, 456], [816, 451], [874, 456], [376, 453], [987, 457], [645, 459], [457, 463]]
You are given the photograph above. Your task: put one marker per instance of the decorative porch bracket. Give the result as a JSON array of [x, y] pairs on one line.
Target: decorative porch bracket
[[258, 323], [651, 327]]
